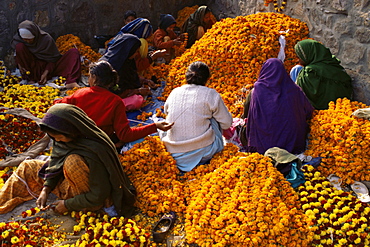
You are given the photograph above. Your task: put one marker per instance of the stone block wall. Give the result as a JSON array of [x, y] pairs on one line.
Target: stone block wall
[[341, 25]]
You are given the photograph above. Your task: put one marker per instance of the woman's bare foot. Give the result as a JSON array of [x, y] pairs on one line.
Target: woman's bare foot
[[72, 85]]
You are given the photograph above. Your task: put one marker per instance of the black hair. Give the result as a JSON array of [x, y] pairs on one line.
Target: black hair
[[197, 73], [129, 13], [105, 75]]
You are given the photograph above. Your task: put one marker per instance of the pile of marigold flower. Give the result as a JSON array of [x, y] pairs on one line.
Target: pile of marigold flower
[[153, 172], [69, 41], [235, 49], [36, 100], [342, 140], [18, 133], [159, 70], [239, 199], [246, 202], [339, 218], [183, 14]]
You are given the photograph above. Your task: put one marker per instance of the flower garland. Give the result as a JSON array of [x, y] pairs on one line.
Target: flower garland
[[180, 49], [30, 212], [282, 7], [339, 218], [276, 4], [342, 140]]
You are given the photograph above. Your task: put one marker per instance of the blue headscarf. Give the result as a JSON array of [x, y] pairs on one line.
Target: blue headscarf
[[139, 27], [165, 21], [118, 55]]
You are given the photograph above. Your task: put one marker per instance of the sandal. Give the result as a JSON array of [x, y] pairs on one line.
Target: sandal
[[163, 227], [335, 181], [361, 191]]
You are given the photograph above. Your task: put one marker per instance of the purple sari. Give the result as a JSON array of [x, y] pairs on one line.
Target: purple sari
[[278, 112]]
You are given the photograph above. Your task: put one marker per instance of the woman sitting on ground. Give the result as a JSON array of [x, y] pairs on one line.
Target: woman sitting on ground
[[106, 108], [322, 79], [199, 116], [39, 59], [165, 37], [278, 112], [84, 171], [197, 24]]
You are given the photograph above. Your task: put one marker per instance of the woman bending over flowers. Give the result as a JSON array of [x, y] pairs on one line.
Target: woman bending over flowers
[[38, 57], [84, 170]]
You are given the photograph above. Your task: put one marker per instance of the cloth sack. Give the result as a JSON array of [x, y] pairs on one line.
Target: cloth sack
[[362, 113], [295, 176], [288, 164], [133, 102], [236, 133]]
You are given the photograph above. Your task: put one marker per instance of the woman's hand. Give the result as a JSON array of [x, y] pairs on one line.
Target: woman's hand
[[143, 91], [149, 83], [44, 77], [59, 207], [164, 126], [43, 197], [177, 41], [22, 70]]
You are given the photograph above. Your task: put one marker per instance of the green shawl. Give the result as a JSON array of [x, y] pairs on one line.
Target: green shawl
[[191, 25], [322, 79], [96, 148]]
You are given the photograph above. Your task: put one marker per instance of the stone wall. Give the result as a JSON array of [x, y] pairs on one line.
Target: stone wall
[[341, 25], [83, 18]]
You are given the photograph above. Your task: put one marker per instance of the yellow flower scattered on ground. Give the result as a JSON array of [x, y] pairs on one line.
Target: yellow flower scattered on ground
[[36, 100], [338, 217]]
